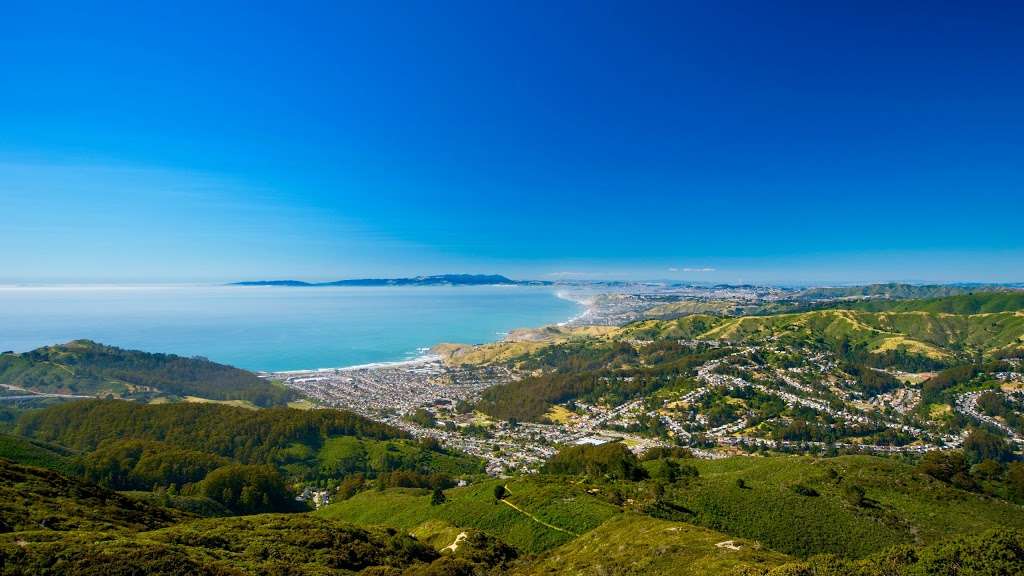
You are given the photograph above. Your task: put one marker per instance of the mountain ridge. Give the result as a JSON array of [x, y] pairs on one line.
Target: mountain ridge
[[433, 280]]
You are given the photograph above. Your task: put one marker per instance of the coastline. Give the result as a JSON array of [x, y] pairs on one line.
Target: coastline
[[427, 356], [423, 359], [586, 303]]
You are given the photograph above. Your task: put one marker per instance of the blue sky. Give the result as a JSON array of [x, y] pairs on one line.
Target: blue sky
[[739, 141]]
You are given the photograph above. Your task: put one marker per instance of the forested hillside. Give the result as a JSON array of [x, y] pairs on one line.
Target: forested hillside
[[245, 460], [83, 367], [244, 435], [54, 525]]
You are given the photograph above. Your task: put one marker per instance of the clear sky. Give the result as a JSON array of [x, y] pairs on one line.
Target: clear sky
[[708, 141]]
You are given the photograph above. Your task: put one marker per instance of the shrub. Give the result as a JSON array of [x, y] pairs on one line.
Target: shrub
[[803, 490], [854, 494]]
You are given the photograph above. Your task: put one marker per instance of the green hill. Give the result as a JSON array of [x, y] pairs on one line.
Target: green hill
[[51, 524], [33, 499], [902, 507], [786, 507], [936, 335], [130, 446], [970, 303], [538, 514], [636, 544], [237, 433], [990, 553], [83, 367], [30, 452]]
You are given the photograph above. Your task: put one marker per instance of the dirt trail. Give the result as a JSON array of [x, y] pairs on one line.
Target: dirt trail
[[532, 517]]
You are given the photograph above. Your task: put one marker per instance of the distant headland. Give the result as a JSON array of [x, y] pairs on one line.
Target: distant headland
[[438, 280]]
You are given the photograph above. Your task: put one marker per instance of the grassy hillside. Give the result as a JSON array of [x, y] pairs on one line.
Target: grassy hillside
[[971, 303], [901, 507], [83, 367], [39, 499], [30, 452], [296, 544], [932, 334], [636, 544], [51, 524], [990, 553], [786, 507], [538, 514]]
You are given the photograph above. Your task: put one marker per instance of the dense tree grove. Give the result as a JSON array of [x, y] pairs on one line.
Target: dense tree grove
[[981, 444], [142, 464], [247, 489], [899, 358], [251, 437], [987, 475], [869, 381], [612, 460], [933, 388]]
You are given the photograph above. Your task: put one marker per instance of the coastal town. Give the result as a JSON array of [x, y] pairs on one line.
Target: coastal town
[[769, 407]]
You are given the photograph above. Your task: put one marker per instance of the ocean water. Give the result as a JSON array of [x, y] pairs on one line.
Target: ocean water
[[274, 328]]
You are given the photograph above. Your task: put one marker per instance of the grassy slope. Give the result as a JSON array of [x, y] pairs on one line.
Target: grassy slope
[[554, 503], [39, 499], [294, 544], [908, 508], [973, 303], [34, 453], [937, 334], [636, 544]]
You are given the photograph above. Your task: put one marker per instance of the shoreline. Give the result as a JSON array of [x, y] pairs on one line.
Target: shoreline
[[429, 357], [423, 359], [586, 303]]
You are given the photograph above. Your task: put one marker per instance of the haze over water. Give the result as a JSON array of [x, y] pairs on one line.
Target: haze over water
[[274, 328]]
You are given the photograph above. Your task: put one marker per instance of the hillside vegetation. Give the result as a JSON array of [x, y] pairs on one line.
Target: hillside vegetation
[[731, 516], [970, 303], [35, 453], [900, 506], [39, 499], [637, 544], [935, 335], [536, 515], [83, 367], [241, 459]]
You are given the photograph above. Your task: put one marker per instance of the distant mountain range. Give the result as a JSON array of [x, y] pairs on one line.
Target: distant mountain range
[[438, 280]]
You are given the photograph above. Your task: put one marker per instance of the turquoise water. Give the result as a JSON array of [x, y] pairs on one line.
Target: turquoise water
[[274, 328]]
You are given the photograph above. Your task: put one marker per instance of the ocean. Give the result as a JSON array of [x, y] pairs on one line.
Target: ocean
[[274, 328]]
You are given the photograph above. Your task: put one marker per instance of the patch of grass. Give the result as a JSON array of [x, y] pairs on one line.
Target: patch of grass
[[238, 403], [552, 501], [901, 507], [636, 544], [35, 453], [560, 415], [294, 544]]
